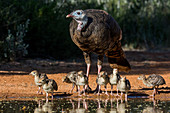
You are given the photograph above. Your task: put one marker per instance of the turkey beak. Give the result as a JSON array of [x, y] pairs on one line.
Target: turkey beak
[[69, 15]]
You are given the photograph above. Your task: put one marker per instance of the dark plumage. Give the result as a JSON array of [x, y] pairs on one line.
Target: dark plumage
[[95, 31], [152, 81]]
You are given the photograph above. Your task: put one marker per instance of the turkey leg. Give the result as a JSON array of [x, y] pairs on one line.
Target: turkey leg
[[87, 58], [99, 66]]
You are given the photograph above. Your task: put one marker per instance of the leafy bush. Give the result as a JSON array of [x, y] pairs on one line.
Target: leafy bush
[[14, 44], [145, 25]]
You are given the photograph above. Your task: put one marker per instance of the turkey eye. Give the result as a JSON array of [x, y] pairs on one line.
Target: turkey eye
[[78, 13]]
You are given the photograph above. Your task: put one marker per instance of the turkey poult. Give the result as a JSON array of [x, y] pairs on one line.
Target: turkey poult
[[152, 81], [36, 79], [71, 78], [49, 85], [81, 80], [102, 79], [123, 85], [95, 31], [113, 79]]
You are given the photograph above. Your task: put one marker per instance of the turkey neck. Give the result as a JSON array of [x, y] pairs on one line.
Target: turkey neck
[[81, 23]]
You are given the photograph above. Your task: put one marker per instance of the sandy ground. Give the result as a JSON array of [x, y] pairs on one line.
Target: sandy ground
[[16, 83]]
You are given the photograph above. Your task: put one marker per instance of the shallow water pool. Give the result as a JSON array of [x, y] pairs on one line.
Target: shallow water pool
[[82, 105]]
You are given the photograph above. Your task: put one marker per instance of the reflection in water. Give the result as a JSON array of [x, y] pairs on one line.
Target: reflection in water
[[152, 108], [121, 107], [39, 108], [78, 109], [82, 105], [99, 108], [46, 107], [112, 108]]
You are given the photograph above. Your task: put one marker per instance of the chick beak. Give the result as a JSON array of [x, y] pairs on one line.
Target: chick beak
[[69, 15]]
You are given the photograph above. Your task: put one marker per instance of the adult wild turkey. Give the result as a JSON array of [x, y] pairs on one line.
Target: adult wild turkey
[[95, 31]]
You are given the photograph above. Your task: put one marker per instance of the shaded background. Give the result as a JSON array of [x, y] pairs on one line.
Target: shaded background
[[39, 29]]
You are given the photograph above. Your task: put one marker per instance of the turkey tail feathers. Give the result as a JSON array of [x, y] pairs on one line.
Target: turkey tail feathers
[[117, 59], [121, 63]]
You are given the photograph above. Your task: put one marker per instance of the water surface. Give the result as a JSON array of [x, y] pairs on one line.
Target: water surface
[[81, 105]]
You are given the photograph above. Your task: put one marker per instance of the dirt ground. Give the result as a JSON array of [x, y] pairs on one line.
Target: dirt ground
[[16, 83]]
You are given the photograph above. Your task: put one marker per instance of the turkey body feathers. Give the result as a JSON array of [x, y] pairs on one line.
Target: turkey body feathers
[[156, 80], [96, 36], [101, 35]]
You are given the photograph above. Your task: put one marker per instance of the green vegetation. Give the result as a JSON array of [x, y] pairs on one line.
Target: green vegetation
[[38, 28]]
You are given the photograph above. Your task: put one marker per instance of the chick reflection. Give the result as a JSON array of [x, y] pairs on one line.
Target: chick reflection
[[47, 107], [113, 108], [152, 109], [79, 109], [39, 108], [44, 108], [99, 108], [121, 107]]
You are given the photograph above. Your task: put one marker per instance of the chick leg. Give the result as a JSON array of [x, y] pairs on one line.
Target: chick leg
[[153, 94], [46, 97], [121, 95], [39, 88], [106, 90], [73, 88], [52, 96], [41, 92], [98, 93], [117, 92], [79, 90], [76, 88], [111, 89], [84, 90], [156, 90]]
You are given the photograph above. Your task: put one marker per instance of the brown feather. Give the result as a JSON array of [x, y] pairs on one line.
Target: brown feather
[[101, 35]]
